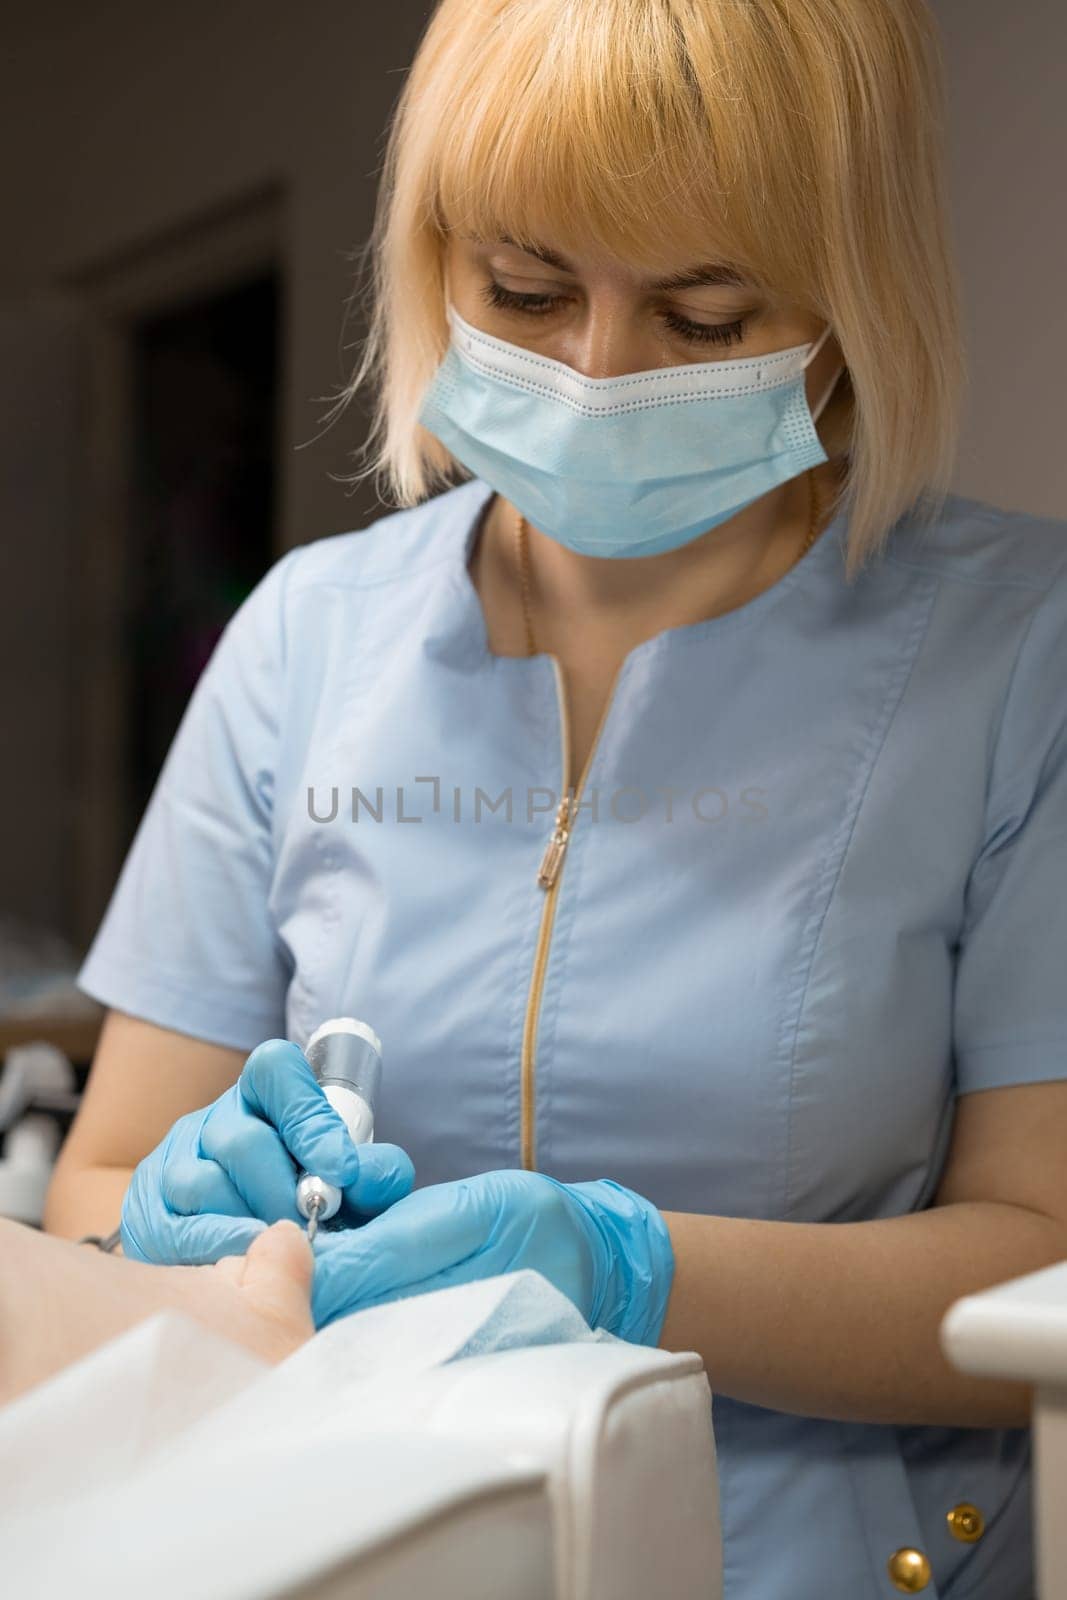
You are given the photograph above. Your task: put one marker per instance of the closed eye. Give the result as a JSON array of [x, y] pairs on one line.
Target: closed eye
[[539, 305]]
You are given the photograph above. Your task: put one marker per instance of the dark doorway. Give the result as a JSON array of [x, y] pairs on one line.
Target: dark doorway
[[202, 520]]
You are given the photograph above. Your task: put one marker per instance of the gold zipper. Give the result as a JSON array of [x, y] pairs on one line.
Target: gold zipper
[[548, 877]]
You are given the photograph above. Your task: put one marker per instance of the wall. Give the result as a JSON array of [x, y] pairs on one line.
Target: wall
[[123, 120], [1008, 149]]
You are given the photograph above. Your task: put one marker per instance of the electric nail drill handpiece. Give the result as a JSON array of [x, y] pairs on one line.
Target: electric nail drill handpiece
[[346, 1057]]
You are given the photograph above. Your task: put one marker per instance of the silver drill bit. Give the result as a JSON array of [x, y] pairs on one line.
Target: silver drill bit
[[314, 1207]]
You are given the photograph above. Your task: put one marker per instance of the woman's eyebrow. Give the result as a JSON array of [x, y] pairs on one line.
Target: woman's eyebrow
[[712, 272]]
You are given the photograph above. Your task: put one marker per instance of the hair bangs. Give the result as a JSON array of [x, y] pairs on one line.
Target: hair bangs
[[584, 125]]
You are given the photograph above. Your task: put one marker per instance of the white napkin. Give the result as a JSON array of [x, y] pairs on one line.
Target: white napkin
[[169, 1384], [170, 1462]]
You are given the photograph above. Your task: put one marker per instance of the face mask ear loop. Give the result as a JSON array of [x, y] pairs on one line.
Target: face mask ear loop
[[817, 346], [828, 391]]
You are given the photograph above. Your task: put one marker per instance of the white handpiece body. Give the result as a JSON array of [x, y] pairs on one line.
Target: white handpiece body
[[353, 1110], [345, 1055]]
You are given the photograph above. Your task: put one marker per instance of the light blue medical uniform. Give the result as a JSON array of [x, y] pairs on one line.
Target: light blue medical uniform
[[760, 1005]]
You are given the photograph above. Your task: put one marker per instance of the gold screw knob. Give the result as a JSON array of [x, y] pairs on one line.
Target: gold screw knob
[[966, 1522], [909, 1570]]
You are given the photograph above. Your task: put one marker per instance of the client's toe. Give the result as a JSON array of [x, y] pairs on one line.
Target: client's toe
[[276, 1278]]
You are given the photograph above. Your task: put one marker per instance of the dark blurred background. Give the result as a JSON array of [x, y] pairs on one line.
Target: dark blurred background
[[182, 189]]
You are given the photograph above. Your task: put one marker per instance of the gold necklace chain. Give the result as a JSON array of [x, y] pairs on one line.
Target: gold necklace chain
[[522, 540]]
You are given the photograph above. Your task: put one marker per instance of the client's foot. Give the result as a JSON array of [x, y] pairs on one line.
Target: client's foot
[[261, 1300], [60, 1300]]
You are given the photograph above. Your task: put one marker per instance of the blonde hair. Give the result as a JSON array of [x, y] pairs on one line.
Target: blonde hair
[[802, 137]]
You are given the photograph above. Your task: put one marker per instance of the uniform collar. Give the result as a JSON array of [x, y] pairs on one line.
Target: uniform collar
[[456, 631]]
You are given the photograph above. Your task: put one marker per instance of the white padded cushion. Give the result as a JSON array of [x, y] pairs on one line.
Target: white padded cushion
[[624, 1437]]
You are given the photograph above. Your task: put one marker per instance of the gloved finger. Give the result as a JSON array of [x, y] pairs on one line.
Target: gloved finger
[[143, 1207], [399, 1252], [253, 1159], [277, 1083], [192, 1185], [135, 1240], [199, 1241], [386, 1174]]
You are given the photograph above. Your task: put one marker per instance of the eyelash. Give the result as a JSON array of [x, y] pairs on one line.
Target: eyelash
[[540, 304]]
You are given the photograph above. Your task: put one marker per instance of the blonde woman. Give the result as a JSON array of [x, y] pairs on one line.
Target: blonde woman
[[681, 794]]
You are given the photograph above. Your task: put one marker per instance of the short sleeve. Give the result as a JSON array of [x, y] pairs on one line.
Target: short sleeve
[[1010, 1001], [186, 940]]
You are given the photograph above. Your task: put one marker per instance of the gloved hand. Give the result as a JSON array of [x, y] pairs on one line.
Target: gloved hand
[[607, 1249], [224, 1173]]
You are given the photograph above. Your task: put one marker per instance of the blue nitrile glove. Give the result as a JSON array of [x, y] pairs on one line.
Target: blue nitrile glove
[[224, 1173], [607, 1249]]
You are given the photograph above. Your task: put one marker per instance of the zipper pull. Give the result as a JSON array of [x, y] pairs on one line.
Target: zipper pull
[[552, 860]]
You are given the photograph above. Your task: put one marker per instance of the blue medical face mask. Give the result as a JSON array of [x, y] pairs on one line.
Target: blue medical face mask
[[625, 466]]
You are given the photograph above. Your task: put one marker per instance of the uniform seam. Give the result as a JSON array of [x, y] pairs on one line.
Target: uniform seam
[[1035, 586], [1035, 612], [277, 822], [287, 565], [847, 1456], [1038, 1040], [916, 634], [997, 521], [307, 581], [186, 992], [424, 561]]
